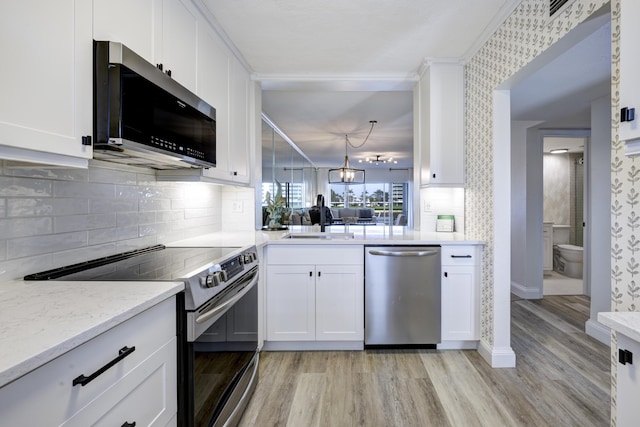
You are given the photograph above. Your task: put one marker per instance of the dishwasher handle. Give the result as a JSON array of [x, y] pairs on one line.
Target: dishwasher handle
[[403, 254]]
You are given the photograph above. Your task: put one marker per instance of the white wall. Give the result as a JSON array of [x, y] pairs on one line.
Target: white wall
[[597, 257], [526, 209]]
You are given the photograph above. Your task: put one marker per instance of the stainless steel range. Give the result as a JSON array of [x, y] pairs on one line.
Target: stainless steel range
[[217, 321]]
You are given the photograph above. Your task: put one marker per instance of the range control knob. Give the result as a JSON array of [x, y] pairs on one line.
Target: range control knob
[[249, 257], [215, 277]]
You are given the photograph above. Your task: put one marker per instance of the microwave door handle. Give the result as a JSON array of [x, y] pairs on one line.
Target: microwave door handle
[[219, 308]]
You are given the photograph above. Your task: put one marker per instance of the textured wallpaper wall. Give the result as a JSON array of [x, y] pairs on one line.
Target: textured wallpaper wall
[[524, 35]]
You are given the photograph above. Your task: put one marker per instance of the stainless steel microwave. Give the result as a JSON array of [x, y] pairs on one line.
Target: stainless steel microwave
[[143, 117]]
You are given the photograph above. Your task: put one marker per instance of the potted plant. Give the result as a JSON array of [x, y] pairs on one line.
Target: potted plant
[[276, 207]]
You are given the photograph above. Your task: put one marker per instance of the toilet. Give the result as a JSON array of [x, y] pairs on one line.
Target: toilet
[[567, 258]]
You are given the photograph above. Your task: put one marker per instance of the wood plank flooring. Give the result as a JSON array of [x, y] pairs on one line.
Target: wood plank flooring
[[561, 379]]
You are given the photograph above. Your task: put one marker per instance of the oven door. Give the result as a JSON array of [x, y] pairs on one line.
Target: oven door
[[220, 366]]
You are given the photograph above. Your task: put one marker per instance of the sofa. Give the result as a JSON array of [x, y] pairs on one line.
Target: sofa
[[363, 215]]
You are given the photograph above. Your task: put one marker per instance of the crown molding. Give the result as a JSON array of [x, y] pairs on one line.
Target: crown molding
[[337, 82]]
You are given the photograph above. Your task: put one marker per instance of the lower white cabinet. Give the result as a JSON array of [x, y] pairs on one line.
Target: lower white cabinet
[[321, 301], [139, 387], [628, 384], [460, 293]]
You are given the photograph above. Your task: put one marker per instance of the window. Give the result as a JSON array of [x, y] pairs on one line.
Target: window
[[387, 199]]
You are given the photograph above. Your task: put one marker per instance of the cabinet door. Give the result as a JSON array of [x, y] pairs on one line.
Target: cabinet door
[[339, 303], [213, 87], [629, 67], [136, 24], [441, 106], [628, 385], [179, 42], [239, 122], [46, 103], [291, 303], [460, 303]]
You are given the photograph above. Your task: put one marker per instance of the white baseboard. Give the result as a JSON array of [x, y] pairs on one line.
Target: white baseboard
[[525, 293], [597, 330], [497, 357]]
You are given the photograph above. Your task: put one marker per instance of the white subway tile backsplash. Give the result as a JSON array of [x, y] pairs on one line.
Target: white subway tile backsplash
[[55, 217], [112, 176], [29, 246], [65, 224], [154, 205], [46, 207], [110, 205], [96, 237], [43, 172], [24, 187], [83, 190], [24, 227]]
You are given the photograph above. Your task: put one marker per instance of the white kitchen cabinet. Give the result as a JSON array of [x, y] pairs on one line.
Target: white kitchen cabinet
[[460, 293], [629, 68], [547, 245], [46, 103], [440, 114], [314, 302], [226, 85], [628, 384], [141, 387], [161, 31], [291, 305]]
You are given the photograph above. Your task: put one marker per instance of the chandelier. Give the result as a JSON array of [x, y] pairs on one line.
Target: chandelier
[[346, 174]]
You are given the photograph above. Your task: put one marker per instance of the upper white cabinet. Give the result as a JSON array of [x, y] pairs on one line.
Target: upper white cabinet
[[440, 115], [173, 33], [629, 69], [164, 32], [46, 82]]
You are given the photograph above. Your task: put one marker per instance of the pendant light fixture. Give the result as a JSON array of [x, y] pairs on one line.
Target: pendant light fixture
[[346, 174]]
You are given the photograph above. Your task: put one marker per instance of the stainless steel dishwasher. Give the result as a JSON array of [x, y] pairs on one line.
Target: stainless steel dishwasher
[[402, 296]]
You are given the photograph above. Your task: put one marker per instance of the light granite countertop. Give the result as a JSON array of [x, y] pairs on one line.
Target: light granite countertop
[[624, 322], [362, 235], [42, 320]]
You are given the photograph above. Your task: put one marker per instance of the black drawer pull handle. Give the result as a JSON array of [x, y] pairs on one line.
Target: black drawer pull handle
[[83, 381], [128, 424], [461, 256], [625, 356]]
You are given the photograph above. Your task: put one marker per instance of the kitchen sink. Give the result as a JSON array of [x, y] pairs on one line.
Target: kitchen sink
[[327, 236]]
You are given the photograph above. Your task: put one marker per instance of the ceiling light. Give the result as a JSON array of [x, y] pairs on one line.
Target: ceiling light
[[378, 160], [346, 174], [559, 150]]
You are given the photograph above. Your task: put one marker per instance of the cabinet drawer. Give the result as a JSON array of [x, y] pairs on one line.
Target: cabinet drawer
[[315, 254], [52, 397], [460, 255], [145, 396]]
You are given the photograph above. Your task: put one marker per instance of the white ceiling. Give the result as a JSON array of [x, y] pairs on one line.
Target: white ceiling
[[328, 68]]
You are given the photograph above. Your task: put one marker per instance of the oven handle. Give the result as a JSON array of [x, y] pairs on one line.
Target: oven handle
[[203, 317]]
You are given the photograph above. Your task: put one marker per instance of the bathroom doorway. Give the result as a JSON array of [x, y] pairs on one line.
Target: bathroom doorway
[[564, 192]]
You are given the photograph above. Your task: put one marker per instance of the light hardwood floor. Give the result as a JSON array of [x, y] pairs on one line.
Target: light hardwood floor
[[561, 379]]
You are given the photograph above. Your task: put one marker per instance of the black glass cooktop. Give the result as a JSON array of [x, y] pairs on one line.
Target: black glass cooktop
[[153, 263]]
